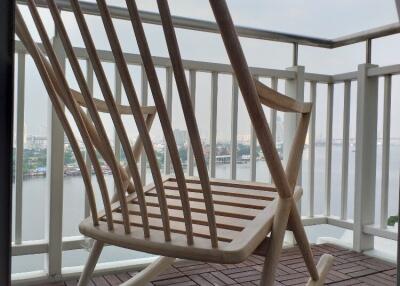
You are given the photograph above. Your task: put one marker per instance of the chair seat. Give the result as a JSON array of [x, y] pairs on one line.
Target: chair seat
[[244, 213]]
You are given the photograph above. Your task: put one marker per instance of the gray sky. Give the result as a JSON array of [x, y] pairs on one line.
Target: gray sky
[[326, 19]]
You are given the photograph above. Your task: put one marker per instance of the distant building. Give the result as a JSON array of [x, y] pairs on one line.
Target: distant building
[[180, 136], [36, 142]]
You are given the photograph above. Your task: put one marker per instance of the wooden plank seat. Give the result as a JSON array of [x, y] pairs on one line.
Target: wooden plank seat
[[237, 205]]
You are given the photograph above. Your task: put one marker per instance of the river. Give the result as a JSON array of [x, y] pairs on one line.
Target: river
[[35, 196]]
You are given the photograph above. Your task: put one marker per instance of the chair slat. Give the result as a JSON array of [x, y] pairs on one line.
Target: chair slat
[[117, 121], [114, 165], [224, 210], [162, 113], [197, 218], [63, 90], [235, 184], [225, 235], [227, 191], [188, 112], [137, 114], [221, 199]]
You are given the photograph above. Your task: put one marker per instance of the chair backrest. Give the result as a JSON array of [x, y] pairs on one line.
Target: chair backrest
[[94, 135]]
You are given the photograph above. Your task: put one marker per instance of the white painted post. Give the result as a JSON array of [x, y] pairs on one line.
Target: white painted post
[[213, 123], [168, 103], [253, 152], [328, 149], [311, 166], [294, 88], [192, 85], [89, 80], [386, 150], [19, 172], [272, 123], [145, 92], [55, 176], [274, 86], [234, 127], [345, 150], [118, 98], [365, 161]]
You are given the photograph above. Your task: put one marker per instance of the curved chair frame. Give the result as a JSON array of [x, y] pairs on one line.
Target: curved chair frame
[[176, 217]]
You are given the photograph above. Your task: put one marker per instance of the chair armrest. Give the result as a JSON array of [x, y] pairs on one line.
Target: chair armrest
[[101, 106], [280, 102]]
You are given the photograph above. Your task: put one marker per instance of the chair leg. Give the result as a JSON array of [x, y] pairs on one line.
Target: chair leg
[[318, 273], [275, 246], [150, 272], [324, 265], [91, 263], [302, 241]]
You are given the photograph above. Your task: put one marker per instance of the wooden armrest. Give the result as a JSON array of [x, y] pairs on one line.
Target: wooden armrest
[[101, 106], [278, 101]]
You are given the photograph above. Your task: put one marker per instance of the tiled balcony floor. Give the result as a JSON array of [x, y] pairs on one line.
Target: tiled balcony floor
[[350, 268]]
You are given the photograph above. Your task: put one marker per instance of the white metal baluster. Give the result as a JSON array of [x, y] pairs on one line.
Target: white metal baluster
[[168, 102], [311, 166], [273, 114], [192, 86], [89, 80], [294, 88], [213, 122], [386, 150], [55, 175], [234, 122], [118, 99], [19, 172], [328, 149], [274, 86], [253, 152], [345, 149], [145, 93]]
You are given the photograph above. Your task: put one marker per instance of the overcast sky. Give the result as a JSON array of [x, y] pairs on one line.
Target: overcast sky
[[325, 19]]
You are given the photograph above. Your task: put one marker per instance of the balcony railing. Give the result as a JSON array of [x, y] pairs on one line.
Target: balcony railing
[[360, 88]]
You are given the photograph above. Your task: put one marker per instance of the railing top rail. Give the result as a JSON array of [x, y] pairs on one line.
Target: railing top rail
[[202, 66], [199, 66], [362, 36], [208, 26], [386, 70]]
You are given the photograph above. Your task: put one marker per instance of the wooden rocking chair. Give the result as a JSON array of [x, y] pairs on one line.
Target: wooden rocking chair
[[204, 219]]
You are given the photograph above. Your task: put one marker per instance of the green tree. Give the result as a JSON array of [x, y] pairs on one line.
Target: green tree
[[392, 220]]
